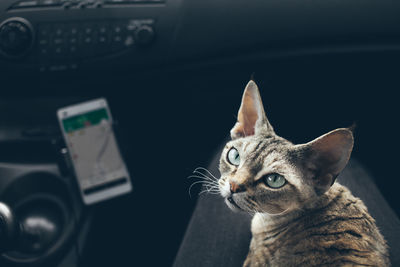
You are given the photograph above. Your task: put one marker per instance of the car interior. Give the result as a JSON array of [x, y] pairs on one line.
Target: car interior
[[173, 74]]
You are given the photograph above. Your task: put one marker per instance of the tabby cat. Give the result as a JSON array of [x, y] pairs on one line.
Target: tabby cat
[[301, 216]]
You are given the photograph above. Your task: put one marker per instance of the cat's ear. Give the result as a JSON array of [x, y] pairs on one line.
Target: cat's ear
[[251, 117], [326, 156]]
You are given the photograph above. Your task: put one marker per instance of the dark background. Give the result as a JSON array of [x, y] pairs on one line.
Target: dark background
[[173, 116]]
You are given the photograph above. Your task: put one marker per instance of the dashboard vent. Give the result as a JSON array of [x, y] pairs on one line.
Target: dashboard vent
[[78, 3]]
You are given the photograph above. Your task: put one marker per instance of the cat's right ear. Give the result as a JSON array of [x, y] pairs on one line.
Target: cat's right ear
[[251, 116]]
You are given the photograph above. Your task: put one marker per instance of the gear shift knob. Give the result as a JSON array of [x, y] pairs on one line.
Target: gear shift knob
[[9, 228]]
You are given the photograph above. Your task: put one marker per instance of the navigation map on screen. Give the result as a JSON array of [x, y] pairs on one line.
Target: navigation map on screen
[[93, 149]]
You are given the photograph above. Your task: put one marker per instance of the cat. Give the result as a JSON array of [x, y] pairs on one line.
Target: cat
[[302, 217]]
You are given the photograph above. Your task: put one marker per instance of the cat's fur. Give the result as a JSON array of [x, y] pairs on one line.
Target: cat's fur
[[311, 220]]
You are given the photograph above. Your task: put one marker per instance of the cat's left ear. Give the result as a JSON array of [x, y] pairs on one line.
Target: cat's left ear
[[326, 156], [251, 116]]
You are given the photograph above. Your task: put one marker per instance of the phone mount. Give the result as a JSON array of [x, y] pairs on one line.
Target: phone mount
[[62, 157]]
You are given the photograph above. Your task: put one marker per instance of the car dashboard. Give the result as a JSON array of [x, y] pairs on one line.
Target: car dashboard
[[56, 36]]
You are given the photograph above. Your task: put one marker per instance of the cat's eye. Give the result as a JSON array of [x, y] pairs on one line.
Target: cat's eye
[[274, 180], [233, 156]]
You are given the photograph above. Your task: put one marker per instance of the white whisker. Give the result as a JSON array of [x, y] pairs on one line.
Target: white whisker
[[199, 177], [208, 184], [204, 169], [208, 181], [204, 176]]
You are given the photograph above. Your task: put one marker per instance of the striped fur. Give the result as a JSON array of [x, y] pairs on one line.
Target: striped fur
[[311, 220], [335, 230]]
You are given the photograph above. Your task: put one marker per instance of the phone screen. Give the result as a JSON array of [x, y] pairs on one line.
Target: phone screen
[[93, 149]]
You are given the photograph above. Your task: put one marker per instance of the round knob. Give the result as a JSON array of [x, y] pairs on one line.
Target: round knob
[[9, 228], [144, 35], [16, 37]]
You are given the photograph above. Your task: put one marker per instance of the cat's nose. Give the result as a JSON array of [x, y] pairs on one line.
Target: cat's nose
[[236, 188]]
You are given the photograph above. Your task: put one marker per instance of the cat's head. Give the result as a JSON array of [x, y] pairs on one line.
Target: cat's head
[[263, 172]]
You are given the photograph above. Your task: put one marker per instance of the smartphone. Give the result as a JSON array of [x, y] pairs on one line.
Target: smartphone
[[96, 159]]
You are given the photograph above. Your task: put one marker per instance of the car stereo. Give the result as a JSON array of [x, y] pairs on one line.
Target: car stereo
[[73, 40], [57, 35]]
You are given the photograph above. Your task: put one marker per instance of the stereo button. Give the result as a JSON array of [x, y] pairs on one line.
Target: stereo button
[[88, 29], [58, 41], [44, 30], [43, 36], [117, 43], [103, 29], [73, 40], [43, 42]]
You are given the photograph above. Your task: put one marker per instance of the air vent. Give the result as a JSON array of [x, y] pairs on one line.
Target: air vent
[[68, 4]]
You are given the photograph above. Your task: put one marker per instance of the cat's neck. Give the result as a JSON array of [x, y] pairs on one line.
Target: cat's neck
[[267, 222]]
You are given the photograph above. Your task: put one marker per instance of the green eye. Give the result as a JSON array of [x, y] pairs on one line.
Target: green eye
[[233, 157], [274, 180]]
